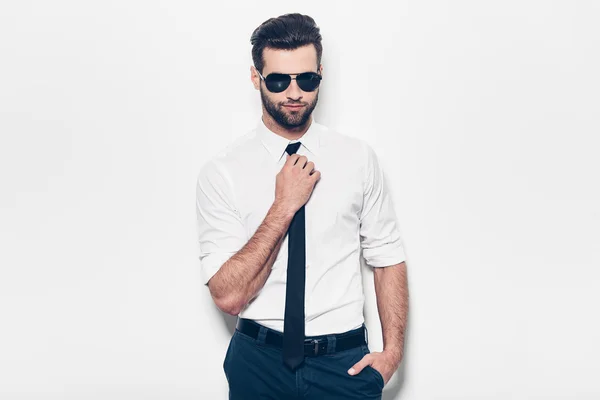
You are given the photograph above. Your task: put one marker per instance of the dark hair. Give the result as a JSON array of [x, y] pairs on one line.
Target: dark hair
[[288, 31]]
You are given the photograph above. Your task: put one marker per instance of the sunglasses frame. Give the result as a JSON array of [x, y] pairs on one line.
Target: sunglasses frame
[[294, 78]]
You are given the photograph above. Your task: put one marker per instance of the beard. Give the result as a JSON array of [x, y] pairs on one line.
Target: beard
[[288, 119]]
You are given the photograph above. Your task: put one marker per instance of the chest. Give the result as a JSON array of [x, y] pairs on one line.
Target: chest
[[334, 205]]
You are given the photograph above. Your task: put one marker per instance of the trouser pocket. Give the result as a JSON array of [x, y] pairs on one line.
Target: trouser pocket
[[376, 374]]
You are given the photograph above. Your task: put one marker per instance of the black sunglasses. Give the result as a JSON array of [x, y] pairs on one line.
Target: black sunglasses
[[277, 83]]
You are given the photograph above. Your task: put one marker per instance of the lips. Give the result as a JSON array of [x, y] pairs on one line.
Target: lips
[[294, 106]]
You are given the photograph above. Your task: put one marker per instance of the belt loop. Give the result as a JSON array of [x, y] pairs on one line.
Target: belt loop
[[262, 334], [366, 334], [331, 340]]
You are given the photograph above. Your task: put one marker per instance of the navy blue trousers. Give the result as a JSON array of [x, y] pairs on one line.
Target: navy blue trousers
[[255, 370]]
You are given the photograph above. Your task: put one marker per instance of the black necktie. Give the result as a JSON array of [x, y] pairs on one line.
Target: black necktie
[[293, 322]]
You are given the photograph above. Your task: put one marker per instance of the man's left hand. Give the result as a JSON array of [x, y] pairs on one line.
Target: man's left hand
[[385, 363]]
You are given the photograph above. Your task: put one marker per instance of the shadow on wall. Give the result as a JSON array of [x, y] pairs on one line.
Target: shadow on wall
[[230, 321]]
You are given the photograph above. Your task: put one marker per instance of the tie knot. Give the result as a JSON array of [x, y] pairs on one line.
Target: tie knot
[[292, 148]]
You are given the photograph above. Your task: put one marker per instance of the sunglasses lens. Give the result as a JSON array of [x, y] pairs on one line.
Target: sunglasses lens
[[308, 81], [277, 83]]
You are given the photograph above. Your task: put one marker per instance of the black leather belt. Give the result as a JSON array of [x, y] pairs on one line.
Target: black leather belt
[[313, 345]]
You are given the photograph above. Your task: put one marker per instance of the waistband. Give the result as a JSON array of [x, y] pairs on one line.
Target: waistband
[[313, 345]]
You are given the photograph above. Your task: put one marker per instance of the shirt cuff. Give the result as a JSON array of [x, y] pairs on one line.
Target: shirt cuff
[[211, 263], [385, 255]]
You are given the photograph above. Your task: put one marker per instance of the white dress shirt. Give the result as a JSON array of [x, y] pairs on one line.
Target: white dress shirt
[[349, 209]]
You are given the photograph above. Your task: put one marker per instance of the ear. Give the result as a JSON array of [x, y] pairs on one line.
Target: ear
[[253, 77]]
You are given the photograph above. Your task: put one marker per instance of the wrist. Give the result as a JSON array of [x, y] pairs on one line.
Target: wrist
[[283, 210], [395, 354]]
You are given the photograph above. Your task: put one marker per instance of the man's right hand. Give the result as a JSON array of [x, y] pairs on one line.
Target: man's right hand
[[295, 182]]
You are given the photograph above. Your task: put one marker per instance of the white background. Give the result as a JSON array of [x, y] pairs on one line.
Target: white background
[[485, 117]]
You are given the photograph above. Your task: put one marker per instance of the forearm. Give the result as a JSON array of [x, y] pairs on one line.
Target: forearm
[[391, 288], [259, 280], [241, 277]]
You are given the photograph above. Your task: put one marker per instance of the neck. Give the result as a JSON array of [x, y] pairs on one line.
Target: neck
[[290, 134]]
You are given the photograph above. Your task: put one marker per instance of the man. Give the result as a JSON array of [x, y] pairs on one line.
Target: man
[[280, 244]]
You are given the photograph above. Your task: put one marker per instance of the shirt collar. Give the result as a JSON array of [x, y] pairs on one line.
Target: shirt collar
[[277, 144]]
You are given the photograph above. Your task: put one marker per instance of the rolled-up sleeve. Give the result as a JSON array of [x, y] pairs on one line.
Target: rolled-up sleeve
[[221, 232], [379, 232]]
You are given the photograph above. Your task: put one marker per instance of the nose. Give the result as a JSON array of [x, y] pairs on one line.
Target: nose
[[293, 91]]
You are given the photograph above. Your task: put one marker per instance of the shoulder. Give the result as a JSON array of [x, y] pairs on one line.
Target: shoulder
[[343, 142], [355, 147], [226, 158], [219, 168]]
